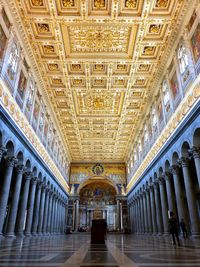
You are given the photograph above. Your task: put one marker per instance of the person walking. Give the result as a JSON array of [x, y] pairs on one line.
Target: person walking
[[183, 228], [173, 229]]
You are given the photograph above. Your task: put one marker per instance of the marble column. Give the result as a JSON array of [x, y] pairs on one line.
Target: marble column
[[142, 215], [158, 208], [77, 215], [138, 215], [30, 207], [164, 206], [55, 214], [150, 227], [118, 215], [49, 213], [145, 212], [52, 214], [191, 199], [45, 220], [153, 210], [41, 211], [36, 208], [15, 201], [196, 155], [170, 194], [23, 204], [181, 207], [10, 162]]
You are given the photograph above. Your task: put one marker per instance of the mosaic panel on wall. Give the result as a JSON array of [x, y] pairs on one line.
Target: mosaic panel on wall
[[82, 172]]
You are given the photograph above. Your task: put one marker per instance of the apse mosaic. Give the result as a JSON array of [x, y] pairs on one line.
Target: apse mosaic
[[97, 194]]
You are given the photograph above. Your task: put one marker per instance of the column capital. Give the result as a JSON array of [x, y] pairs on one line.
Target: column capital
[[155, 184], [174, 169], [195, 152], [10, 161], [184, 162], [34, 180], [161, 180], [167, 176], [28, 175], [39, 183], [20, 168]]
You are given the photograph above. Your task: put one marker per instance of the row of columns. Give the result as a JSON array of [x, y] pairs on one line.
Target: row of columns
[[39, 210], [149, 209]]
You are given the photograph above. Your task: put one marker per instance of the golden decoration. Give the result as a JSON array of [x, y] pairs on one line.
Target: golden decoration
[[99, 3], [162, 3], [131, 3], [49, 49], [77, 81], [43, 28], [98, 39], [154, 28], [53, 67], [148, 50], [57, 81], [140, 82], [68, 3], [76, 67], [121, 67], [144, 67], [37, 2], [98, 82], [99, 67]]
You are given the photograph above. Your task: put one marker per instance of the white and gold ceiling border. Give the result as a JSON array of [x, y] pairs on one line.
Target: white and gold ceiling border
[[10, 105]]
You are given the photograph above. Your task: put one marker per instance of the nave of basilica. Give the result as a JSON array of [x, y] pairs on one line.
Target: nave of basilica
[[99, 122]]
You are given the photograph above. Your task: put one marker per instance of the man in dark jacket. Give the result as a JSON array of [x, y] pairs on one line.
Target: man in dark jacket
[[173, 228]]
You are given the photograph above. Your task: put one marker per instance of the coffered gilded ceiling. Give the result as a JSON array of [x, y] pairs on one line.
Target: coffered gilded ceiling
[[98, 60]]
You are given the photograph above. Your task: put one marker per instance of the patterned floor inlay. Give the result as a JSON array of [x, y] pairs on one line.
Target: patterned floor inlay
[[119, 251]]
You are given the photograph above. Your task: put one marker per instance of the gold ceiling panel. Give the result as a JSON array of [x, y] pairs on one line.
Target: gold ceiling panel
[[99, 41], [98, 60]]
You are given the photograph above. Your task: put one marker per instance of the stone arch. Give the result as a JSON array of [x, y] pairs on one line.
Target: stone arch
[[175, 158], [34, 171], [28, 165], [184, 149], [160, 171], [196, 138], [10, 149], [167, 165], [20, 158], [40, 176]]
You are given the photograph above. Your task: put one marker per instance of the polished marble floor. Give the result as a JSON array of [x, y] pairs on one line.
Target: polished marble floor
[[75, 250]]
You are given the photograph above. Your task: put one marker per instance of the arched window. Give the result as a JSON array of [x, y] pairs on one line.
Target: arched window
[[13, 60], [183, 58]]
